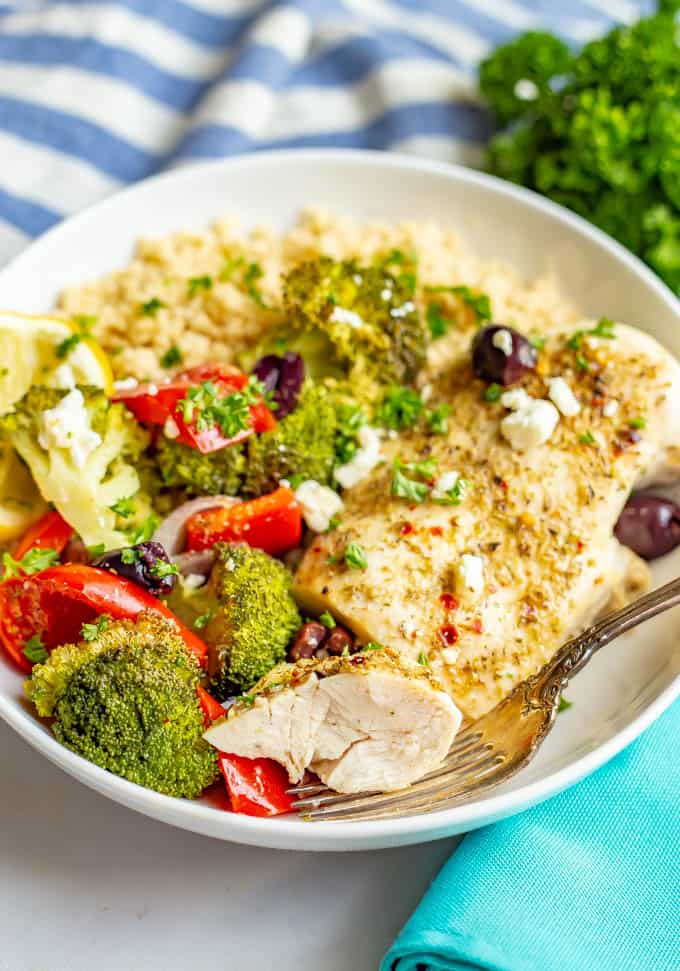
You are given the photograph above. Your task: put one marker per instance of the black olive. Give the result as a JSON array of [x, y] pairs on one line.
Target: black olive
[[284, 377], [649, 525], [146, 564], [491, 363]]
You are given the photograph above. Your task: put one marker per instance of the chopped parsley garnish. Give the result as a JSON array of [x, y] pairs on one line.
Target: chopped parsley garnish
[[345, 651], [123, 507], [454, 495], [129, 556], [144, 532], [564, 705], [85, 322], [537, 341], [587, 438], [407, 263], [327, 619], [493, 393], [638, 423], [373, 646], [438, 419], [401, 408], [479, 303], [232, 264], [37, 559], [151, 307], [172, 356], [63, 349], [581, 363], [354, 557], [202, 620], [97, 550], [204, 406], [197, 283], [34, 650], [603, 328], [161, 569], [333, 523], [423, 659], [404, 487], [350, 420], [89, 632], [253, 273], [437, 323]]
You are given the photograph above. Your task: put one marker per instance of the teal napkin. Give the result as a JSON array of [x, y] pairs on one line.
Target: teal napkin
[[588, 881]]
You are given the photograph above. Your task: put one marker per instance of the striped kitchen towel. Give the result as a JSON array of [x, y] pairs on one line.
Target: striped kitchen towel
[[94, 95]]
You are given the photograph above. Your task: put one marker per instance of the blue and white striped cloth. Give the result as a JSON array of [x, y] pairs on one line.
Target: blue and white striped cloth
[[94, 95]]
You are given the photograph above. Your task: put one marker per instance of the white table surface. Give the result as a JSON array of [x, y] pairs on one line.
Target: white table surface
[[87, 885]]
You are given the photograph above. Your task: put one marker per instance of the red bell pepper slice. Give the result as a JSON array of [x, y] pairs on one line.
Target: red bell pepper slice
[[155, 404], [51, 531], [272, 523], [55, 603], [256, 787]]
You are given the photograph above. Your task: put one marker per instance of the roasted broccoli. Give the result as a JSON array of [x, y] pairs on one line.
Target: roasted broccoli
[[302, 446], [598, 131], [126, 700], [82, 452], [245, 614], [212, 474], [354, 322]]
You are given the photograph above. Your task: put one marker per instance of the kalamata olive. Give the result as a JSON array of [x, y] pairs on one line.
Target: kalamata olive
[[146, 564], [338, 640], [310, 636], [283, 376], [649, 525], [502, 355]]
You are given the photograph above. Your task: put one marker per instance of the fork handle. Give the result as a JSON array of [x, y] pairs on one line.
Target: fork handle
[[576, 653]]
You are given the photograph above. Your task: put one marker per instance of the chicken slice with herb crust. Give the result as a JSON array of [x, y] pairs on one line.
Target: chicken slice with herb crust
[[491, 557], [366, 722]]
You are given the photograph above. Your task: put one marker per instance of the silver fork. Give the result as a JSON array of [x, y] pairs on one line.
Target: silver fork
[[496, 746]]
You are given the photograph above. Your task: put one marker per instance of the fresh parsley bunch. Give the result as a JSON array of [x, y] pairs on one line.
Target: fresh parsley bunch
[[599, 130]]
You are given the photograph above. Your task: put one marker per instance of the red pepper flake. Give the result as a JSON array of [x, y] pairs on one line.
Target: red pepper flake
[[316, 549], [407, 528], [477, 625], [449, 634], [356, 659], [448, 601], [580, 544], [436, 530]]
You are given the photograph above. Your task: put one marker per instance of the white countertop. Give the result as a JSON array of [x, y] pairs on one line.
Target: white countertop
[[86, 884]]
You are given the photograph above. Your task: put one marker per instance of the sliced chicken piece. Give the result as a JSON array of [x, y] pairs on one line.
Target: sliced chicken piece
[[366, 722], [489, 588]]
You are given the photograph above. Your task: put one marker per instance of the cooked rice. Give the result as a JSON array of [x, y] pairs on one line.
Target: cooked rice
[[219, 323]]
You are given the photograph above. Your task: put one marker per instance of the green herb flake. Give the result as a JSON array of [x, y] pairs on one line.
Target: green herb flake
[[333, 523], [438, 324], [401, 408], [151, 307], [587, 438], [537, 341], [84, 322], [98, 550], [604, 328], [254, 272], [345, 651], [493, 393], [63, 349], [581, 363], [90, 632], [140, 534], [231, 265], [456, 494], [437, 419], [34, 650], [172, 357], [161, 570], [423, 659], [637, 423], [197, 283], [203, 620], [478, 302], [405, 488], [373, 646], [129, 555], [205, 406], [564, 705], [354, 557], [37, 559], [124, 507], [327, 619]]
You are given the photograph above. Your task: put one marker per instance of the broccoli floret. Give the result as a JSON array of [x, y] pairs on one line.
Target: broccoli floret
[[212, 474], [302, 446], [126, 700], [99, 493], [597, 131], [361, 320], [246, 614]]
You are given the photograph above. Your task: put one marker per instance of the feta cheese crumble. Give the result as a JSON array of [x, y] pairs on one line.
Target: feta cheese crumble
[[192, 581], [171, 428], [363, 461], [610, 408], [406, 308], [444, 484], [532, 422], [125, 384], [64, 377], [319, 504], [525, 90], [67, 426], [502, 339], [563, 397], [343, 316], [470, 572]]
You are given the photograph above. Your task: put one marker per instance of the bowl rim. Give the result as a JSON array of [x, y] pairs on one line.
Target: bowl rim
[[287, 833]]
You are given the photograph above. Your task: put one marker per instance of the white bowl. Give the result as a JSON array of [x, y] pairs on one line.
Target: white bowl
[[624, 688]]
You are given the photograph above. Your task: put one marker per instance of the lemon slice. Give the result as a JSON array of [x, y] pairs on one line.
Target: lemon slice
[[20, 501], [46, 350]]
